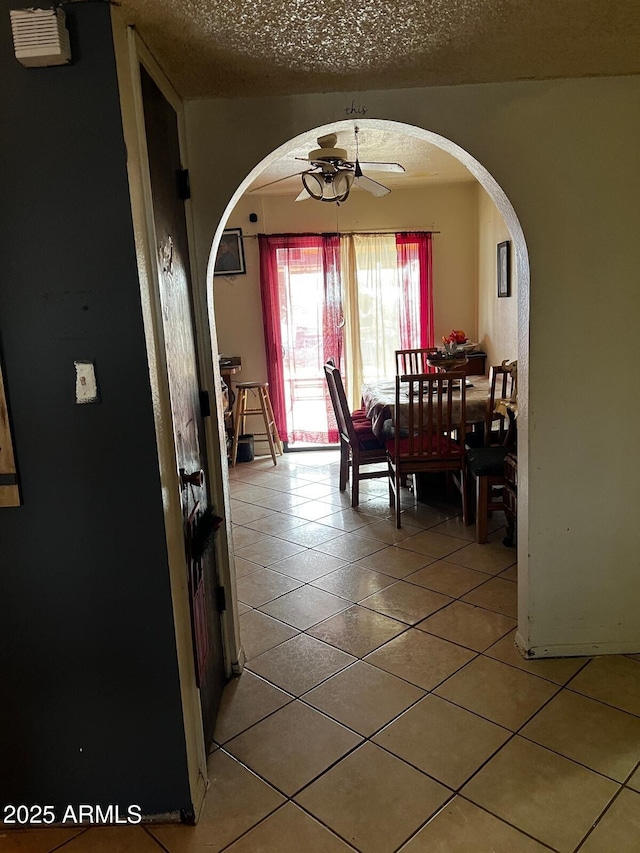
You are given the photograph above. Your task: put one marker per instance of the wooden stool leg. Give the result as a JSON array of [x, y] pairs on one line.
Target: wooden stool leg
[[272, 421], [240, 419], [262, 394]]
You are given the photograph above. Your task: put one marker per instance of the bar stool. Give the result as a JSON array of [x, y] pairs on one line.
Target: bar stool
[[271, 434]]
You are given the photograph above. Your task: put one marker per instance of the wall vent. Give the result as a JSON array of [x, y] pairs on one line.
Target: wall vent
[[40, 37]]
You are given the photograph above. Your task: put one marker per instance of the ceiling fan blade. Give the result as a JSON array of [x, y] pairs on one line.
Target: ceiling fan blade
[[277, 181], [382, 167], [371, 186], [304, 195]]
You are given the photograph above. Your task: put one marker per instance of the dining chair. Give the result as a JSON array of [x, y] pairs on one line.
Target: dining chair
[[413, 360], [429, 410], [494, 431], [358, 445], [485, 467]]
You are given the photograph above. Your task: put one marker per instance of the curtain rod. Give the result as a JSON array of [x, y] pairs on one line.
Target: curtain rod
[[345, 233]]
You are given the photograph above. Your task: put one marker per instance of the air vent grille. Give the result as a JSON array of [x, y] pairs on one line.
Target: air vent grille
[[40, 37]]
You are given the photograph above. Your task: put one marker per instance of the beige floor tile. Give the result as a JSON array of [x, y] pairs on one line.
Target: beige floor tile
[[353, 582], [373, 799], [420, 658], [243, 608], [396, 562], [243, 536], [443, 740], [501, 693], [254, 494], [603, 738], [305, 606], [357, 630], [634, 782], [387, 532], [447, 578], [619, 829], [510, 574], [36, 840], [300, 664], [455, 527], [268, 550], [114, 839], [461, 827], [612, 679], [307, 565], [236, 800], [363, 697], [496, 594], [312, 511], [346, 521], [313, 491], [433, 544], [406, 602], [559, 670], [425, 516], [245, 700], [264, 585], [282, 502], [290, 830], [541, 793], [242, 513], [350, 546], [467, 625], [309, 534], [259, 632], [492, 558], [292, 746], [244, 567], [275, 524]]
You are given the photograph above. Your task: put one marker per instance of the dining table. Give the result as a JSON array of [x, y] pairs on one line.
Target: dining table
[[379, 400]]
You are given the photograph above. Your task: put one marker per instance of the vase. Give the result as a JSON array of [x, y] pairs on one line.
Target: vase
[[448, 363]]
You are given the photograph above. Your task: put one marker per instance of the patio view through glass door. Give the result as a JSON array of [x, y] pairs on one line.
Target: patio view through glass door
[[355, 299]]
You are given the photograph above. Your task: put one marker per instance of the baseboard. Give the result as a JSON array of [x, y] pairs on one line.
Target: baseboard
[[572, 650]]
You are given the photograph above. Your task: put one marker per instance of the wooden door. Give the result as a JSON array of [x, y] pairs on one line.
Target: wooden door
[[161, 128]]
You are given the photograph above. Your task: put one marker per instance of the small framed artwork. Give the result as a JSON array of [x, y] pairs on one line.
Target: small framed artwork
[[504, 269], [230, 257]]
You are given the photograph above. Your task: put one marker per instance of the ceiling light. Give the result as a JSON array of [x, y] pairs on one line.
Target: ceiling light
[[328, 185]]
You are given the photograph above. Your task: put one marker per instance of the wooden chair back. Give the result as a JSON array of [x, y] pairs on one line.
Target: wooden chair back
[[413, 360], [424, 429], [502, 387], [339, 401]]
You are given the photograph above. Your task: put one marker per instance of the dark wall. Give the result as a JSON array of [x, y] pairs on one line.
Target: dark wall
[[89, 692]]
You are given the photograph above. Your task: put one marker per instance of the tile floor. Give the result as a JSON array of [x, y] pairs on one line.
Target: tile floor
[[384, 706]]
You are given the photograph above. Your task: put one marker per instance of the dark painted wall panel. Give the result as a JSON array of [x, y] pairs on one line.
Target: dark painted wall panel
[[89, 692]]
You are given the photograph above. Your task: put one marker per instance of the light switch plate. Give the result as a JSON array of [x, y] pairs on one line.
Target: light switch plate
[[86, 382]]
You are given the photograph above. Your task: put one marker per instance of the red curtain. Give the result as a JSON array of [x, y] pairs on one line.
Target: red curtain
[[416, 314], [281, 257]]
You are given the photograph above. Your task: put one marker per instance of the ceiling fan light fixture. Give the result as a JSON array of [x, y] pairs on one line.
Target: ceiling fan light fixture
[[328, 186]]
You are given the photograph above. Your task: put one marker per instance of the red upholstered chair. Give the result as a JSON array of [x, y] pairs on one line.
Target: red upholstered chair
[[429, 410], [358, 445]]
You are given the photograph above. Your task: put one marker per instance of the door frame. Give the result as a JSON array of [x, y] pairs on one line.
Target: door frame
[[130, 52]]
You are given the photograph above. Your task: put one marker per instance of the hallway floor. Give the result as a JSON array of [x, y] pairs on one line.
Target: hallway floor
[[384, 706]]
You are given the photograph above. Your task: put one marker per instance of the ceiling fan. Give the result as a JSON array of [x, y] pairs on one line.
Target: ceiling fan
[[332, 174]]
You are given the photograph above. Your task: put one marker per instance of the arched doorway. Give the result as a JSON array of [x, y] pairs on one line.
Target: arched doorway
[[506, 211]]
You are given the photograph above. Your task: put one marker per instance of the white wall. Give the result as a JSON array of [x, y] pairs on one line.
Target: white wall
[[497, 317], [565, 154], [450, 209]]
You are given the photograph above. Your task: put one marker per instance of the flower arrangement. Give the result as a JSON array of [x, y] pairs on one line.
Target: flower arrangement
[[453, 340]]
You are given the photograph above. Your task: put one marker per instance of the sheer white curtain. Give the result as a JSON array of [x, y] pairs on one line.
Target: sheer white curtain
[[372, 291]]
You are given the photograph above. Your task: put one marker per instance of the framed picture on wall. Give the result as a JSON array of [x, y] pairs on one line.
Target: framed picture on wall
[[504, 269], [230, 257]]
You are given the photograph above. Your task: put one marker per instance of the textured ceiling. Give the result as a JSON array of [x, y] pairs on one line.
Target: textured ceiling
[[238, 48]]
